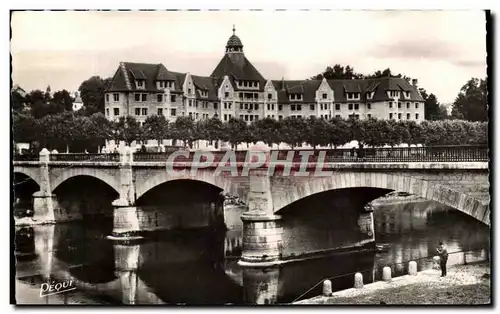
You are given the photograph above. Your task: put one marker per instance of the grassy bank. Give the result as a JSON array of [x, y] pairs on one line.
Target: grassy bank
[[465, 284]]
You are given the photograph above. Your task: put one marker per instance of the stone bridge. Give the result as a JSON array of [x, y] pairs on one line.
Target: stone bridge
[[461, 185]]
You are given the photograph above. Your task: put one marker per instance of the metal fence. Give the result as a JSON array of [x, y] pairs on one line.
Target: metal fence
[[462, 153]]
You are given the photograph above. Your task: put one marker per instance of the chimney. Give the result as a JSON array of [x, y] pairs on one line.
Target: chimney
[[283, 83], [414, 82]]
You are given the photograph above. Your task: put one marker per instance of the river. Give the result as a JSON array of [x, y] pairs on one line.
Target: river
[[200, 268]]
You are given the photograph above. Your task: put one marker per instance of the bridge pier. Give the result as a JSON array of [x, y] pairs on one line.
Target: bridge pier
[[262, 235], [125, 214], [366, 223], [44, 201]]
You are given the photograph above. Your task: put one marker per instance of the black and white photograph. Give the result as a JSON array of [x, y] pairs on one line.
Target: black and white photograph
[[250, 157]]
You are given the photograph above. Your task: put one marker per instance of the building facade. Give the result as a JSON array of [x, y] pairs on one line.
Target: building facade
[[237, 89]]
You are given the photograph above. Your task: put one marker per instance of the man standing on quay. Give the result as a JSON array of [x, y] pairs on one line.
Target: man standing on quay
[[443, 258]]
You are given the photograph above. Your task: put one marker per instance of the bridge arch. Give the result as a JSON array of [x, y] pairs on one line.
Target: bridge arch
[[224, 183], [32, 173], [420, 187], [97, 173]]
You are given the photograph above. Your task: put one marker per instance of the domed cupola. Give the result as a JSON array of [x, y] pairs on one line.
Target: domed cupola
[[234, 43]]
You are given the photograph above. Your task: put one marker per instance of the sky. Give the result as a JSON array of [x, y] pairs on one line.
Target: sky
[[442, 49]]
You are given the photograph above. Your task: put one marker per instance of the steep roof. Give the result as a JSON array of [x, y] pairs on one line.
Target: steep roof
[[128, 72], [205, 83], [340, 87], [237, 67]]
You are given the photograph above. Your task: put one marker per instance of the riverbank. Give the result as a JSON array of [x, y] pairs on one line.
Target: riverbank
[[464, 284]]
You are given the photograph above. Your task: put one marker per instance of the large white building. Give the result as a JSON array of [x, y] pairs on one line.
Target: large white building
[[237, 89]]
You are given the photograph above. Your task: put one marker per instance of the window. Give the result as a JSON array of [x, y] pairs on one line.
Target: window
[[299, 107], [250, 106], [390, 104], [269, 96], [172, 98], [350, 106], [241, 106], [369, 116], [251, 117], [256, 106], [116, 111], [246, 106], [407, 94], [280, 117], [337, 116], [140, 83], [190, 103], [369, 106], [241, 117], [225, 117], [292, 107], [256, 95], [399, 105], [390, 115], [173, 112], [268, 106], [246, 117], [337, 106], [137, 111], [190, 114], [197, 115], [356, 106], [116, 97], [408, 116], [356, 117], [215, 105], [324, 95], [399, 116], [160, 111], [107, 97], [226, 94], [137, 97], [159, 98], [107, 111], [311, 107], [416, 116], [416, 105], [189, 91], [144, 111], [407, 105]]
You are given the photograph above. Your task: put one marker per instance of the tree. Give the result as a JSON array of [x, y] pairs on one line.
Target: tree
[[338, 134], [374, 132], [156, 127], [63, 100], [433, 110], [24, 128], [317, 132], [293, 131], [126, 129], [472, 102], [92, 93], [236, 131], [184, 129], [214, 129], [267, 130], [17, 101], [338, 72]]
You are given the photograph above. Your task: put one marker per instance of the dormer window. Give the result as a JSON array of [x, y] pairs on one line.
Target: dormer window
[[295, 96], [324, 95], [370, 95], [352, 96], [407, 94], [393, 94], [140, 83], [204, 93]]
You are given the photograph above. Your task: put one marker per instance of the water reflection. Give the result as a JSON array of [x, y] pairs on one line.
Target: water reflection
[[200, 267]]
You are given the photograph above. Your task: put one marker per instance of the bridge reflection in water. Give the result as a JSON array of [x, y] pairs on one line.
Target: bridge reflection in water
[[201, 267]]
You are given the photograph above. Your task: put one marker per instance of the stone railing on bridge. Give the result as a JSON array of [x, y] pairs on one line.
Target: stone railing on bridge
[[462, 153]]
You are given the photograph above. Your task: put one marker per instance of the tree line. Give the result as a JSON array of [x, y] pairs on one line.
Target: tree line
[[78, 132]]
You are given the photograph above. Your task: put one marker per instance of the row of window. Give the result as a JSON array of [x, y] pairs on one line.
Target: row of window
[[249, 117], [395, 94], [142, 112], [166, 84], [141, 97], [250, 106], [408, 116], [407, 105], [247, 84]]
